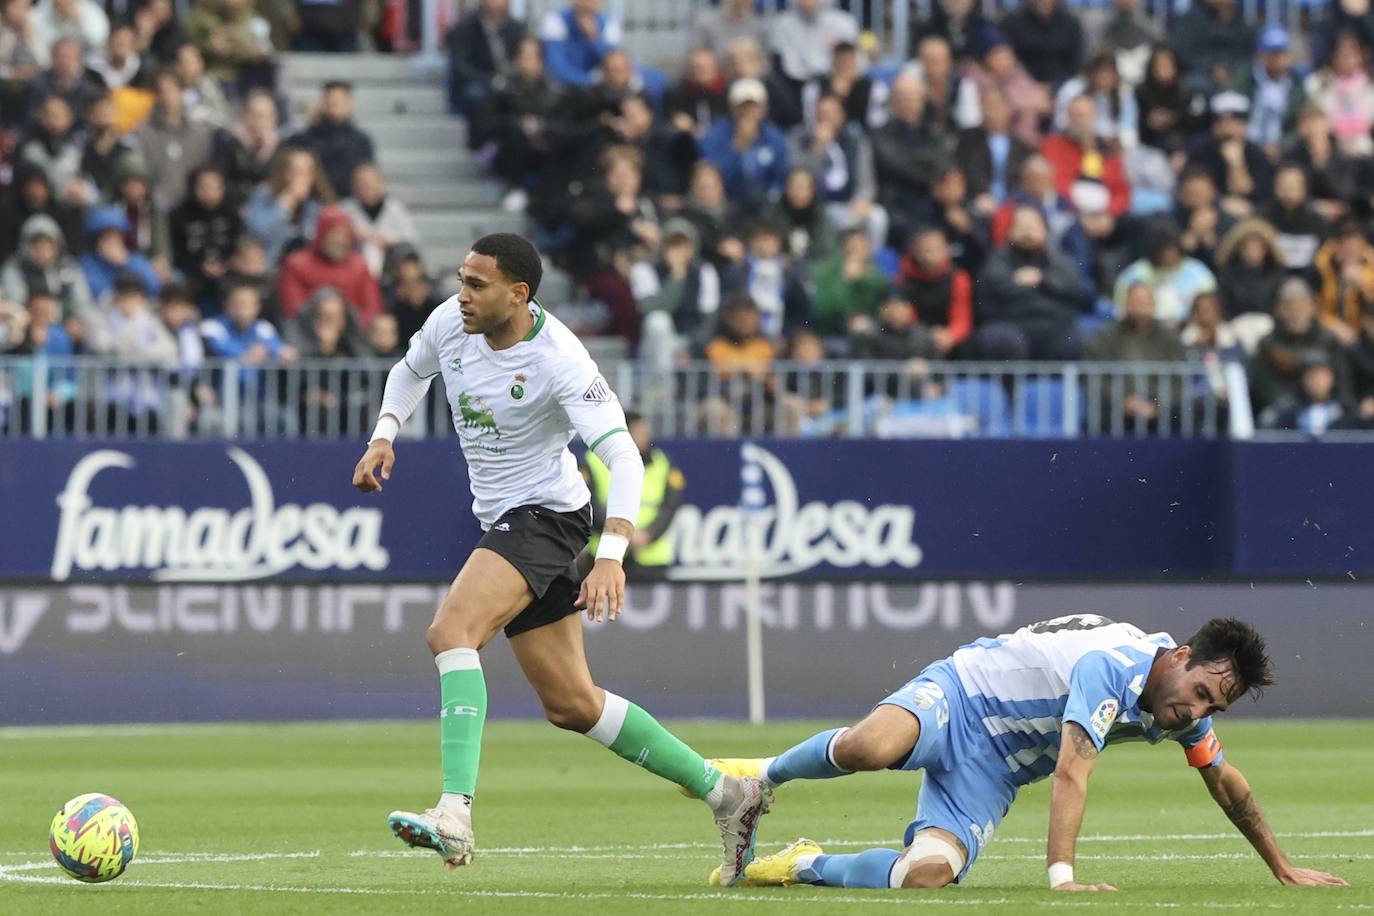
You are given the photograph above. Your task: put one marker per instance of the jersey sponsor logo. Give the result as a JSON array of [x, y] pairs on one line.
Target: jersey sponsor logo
[[797, 536], [208, 543], [598, 391], [475, 417], [1102, 718], [501, 526]]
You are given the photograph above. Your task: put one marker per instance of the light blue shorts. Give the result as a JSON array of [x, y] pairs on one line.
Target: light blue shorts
[[967, 788]]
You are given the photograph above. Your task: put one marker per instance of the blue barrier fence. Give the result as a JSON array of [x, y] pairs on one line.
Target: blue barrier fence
[[853, 509]]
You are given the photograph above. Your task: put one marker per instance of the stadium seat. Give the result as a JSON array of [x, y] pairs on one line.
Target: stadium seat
[[1041, 406]]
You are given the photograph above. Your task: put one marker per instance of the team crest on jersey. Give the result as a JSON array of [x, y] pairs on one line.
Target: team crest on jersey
[[598, 390], [1103, 717], [517, 388]]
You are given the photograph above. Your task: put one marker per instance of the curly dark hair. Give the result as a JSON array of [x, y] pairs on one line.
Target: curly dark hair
[[1239, 645], [515, 257]]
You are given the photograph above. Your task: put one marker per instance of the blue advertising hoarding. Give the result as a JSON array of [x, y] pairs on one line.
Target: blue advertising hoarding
[[281, 510]]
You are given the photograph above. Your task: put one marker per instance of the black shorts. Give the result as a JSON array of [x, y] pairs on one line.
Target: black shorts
[[544, 546]]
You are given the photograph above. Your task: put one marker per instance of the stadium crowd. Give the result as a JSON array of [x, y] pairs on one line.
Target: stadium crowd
[[1042, 186]]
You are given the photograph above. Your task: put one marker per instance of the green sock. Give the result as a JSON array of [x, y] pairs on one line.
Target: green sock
[[463, 692], [633, 734]]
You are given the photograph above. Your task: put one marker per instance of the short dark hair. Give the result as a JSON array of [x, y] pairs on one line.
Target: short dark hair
[[331, 85], [175, 292], [515, 257], [1237, 643]]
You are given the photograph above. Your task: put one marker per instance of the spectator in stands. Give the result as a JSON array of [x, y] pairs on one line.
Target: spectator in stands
[[710, 211], [384, 338], [950, 99], [250, 143], [522, 119], [119, 64], [204, 99], [331, 259], [1332, 176], [283, 212], [1345, 270], [1131, 36], [128, 330], [670, 148], [1249, 274], [1111, 242], [172, 144], [954, 215], [331, 26], [410, 296], [1036, 188], [43, 333], [1199, 216], [839, 157], [864, 100], [895, 334], [1139, 336], [576, 39], [41, 265], [808, 235], [66, 76], [103, 148], [1300, 229], [81, 21], [701, 96], [770, 282], [617, 216], [204, 230], [108, 258], [1335, 19], [340, 145], [1239, 168], [241, 334], [159, 32], [1213, 44], [54, 145], [848, 284], [1174, 280], [998, 68], [148, 229], [1345, 92], [1209, 339], [481, 47], [908, 155], [380, 219], [248, 267], [717, 29], [1362, 363], [225, 32], [1318, 406], [743, 359], [990, 155], [1116, 117], [1048, 40], [1274, 89], [18, 58], [179, 315], [940, 291], [326, 328], [1168, 111], [680, 299], [749, 152], [1275, 370], [1078, 153], [958, 22], [804, 35], [747, 61], [1028, 296]]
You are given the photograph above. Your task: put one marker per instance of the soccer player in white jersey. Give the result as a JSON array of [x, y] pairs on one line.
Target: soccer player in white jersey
[[520, 384], [1001, 713]]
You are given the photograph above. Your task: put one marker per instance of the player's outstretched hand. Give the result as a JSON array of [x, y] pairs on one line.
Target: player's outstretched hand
[[604, 585], [379, 454], [1075, 886], [1310, 877]]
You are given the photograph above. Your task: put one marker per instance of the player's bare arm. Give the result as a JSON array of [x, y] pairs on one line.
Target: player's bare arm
[[603, 591], [1068, 798], [375, 465], [1232, 793]]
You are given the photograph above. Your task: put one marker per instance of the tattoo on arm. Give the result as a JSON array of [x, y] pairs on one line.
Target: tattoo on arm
[[1082, 743], [1246, 815]]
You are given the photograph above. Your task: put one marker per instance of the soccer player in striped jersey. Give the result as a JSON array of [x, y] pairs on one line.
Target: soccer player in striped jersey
[[520, 385], [1004, 712]]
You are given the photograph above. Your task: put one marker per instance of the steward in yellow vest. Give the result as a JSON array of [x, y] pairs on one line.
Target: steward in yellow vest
[[651, 550]]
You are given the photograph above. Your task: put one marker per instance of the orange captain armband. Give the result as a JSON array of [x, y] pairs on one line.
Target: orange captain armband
[[1205, 752]]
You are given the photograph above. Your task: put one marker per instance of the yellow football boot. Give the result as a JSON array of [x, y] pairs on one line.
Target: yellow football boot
[[735, 766], [777, 870]]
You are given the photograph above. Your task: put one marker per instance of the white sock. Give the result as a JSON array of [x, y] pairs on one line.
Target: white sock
[[804, 863], [767, 762], [717, 793], [456, 804]]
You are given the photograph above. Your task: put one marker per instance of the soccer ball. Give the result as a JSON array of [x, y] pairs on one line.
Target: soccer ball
[[93, 838]]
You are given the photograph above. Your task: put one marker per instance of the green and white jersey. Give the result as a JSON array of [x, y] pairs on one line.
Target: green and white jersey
[[516, 410]]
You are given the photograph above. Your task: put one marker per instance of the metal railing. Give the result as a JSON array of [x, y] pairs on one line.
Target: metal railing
[[89, 397]]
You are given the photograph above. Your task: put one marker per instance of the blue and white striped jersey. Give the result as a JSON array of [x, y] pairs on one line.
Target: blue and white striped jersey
[[1023, 686]]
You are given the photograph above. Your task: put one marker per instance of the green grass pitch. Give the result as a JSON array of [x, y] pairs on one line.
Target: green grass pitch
[[292, 819]]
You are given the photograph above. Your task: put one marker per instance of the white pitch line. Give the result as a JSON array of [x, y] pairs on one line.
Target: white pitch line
[[183, 859]]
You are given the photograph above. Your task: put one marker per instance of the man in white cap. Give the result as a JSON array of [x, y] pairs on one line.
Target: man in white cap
[[750, 153]]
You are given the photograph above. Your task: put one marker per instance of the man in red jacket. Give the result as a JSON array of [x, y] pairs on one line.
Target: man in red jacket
[[332, 259], [1080, 153], [941, 292]]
